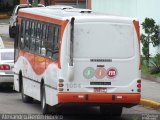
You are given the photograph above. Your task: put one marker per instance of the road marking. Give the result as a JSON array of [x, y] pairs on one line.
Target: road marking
[[8, 43], [150, 103]]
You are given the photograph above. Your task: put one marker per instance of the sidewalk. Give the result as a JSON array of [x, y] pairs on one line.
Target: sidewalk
[[150, 94]]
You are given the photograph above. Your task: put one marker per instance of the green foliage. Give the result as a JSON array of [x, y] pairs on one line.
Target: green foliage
[[150, 36], [155, 64]]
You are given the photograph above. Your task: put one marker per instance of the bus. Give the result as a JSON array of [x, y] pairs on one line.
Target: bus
[[75, 56]]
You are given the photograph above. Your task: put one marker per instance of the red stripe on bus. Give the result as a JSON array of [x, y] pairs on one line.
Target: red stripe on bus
[[98, 98]]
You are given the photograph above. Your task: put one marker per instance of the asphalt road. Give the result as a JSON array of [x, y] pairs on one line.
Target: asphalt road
[[11, 103]]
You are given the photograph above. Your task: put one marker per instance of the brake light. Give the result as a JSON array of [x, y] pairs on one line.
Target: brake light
[[139, 85], [138, 81], [61, 85], [4, 67]]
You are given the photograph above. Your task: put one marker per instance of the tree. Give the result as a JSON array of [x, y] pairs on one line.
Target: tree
[[151, 35], [34, 2]]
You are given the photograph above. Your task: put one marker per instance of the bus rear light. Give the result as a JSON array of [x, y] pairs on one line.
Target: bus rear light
[[4, 67], [119, 97], [139, 86], [138, 81], [81, 96], [61, 80], [60, 89], [60, 85], [138, 90]]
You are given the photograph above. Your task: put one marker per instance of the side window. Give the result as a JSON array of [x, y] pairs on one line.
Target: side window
[[56, 42], [26, 37], [38, 37], [49, 50], [56, 38], [22, 33], [32, 36], [53, 41]]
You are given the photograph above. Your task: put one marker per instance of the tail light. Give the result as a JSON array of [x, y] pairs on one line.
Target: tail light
[[4, 67], [139, 85], [60, 85], [138, 81]]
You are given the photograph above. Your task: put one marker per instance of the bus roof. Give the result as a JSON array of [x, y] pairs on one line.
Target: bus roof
[[79, 14]]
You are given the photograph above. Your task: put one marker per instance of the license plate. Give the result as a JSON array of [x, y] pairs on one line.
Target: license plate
[[100, 90]]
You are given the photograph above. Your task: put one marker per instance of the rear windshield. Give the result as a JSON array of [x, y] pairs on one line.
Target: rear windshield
[[7, 56], [103, 40]]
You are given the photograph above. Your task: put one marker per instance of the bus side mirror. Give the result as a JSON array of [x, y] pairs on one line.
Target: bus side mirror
[[16, 37], [43, 51], [22, 43]]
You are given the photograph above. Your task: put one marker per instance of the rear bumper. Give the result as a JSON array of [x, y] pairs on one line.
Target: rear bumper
[[99, 98], [6, 78]]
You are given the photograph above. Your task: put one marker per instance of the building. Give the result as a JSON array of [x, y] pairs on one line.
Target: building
[[7, 5], [131, 8], [74, 3]]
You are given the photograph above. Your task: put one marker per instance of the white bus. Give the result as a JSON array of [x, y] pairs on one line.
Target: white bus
[[65, 56]]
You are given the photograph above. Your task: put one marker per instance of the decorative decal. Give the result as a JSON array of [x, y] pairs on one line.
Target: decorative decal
[[88, 73], [100, 73], [112, 72]]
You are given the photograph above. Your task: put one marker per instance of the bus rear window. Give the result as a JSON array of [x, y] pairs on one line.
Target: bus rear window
[[103, 40]]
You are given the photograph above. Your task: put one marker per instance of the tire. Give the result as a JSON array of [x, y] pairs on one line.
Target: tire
[[25, 98], [111, 110], [105, 110], [11, 32], [44, 106]]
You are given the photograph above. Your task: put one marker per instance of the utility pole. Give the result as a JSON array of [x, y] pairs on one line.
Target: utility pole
[[77, 3], [35, 3], [86, 4]]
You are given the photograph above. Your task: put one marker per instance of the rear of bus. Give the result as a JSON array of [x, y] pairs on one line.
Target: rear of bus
[[106, 65]]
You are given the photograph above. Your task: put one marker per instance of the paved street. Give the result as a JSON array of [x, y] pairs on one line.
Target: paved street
[[10, 101], [150, 90]]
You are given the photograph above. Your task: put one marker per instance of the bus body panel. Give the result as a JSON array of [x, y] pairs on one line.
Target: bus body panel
[[106, 63]]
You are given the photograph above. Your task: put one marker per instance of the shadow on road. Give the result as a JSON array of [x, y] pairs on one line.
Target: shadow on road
[[6, 88], [84, 113]]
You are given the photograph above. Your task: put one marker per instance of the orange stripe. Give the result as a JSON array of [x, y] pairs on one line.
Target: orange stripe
[[39, 64], [137, 27], [98, 98], [41, 18], [61, 37]]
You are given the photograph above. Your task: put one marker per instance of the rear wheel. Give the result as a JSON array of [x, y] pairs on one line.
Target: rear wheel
[[12, 32], [25, 98], [44, 106], [111, 110]]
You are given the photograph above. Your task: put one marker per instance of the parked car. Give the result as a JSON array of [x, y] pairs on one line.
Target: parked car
[[1, 43], [6, 65], [12, 21], [59, 7]]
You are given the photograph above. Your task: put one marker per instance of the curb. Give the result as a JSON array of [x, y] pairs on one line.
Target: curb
[[150, 104], [8, 43], [151, 78], [4, 16]]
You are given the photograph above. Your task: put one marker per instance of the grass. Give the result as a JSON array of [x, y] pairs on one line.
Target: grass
[[146, 71]]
